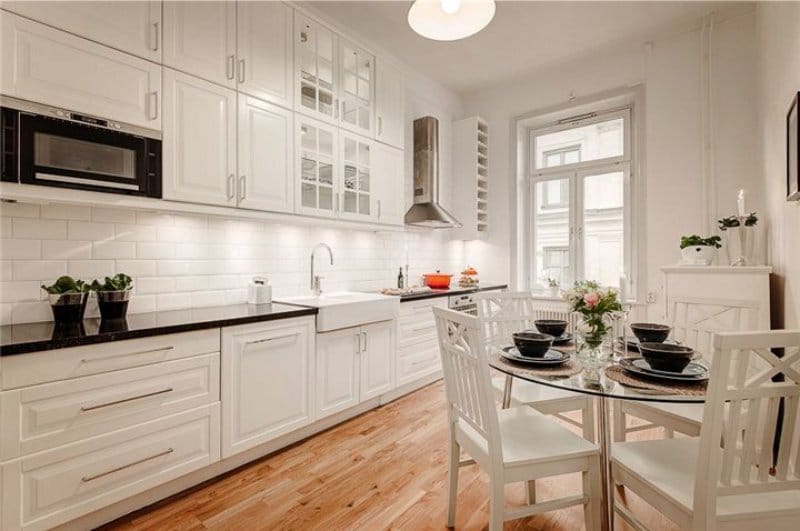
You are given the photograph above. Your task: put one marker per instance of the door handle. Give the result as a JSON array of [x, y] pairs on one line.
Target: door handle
[[230, 66], [380, 125], [365, 341], [336, 202], [357, 342], [242, 187], [154, 105], [241, 70], [231, 179], [268, 339], [87, 479], [155, 36], [125, 400], [379, 209]]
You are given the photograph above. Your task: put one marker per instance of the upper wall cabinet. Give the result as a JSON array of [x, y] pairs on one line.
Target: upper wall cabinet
[[199, 149], [133, 27], [316, 69], [200, 39], [389, 105], [49, 66], [316, 168], [355, 162], [264, 66], [356, 94], [388, 178]]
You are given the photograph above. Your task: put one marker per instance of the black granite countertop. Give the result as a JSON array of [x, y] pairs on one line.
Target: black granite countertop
[[32, 337], [454, 290]]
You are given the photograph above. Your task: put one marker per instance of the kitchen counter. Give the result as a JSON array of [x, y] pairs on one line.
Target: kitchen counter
[[454, 290], [32, 337]]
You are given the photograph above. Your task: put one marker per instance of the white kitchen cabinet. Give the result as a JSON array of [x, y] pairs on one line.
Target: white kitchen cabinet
[[418, 347], [357, 72], [130, 26], [354, 365], [266, 167], [264, 62], [389, 104], [199, 150], [389, 183], [45, 65], [471, 165], [316, 171], [200, 39], [316, 69], [357, 182], [267, 376]]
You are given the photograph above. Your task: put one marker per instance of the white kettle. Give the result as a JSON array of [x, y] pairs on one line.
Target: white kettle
[[259, 291]]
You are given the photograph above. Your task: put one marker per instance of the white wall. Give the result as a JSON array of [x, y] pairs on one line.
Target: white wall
[[670, 71], [778, 33]]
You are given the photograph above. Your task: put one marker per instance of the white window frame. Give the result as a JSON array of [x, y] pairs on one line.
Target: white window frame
[[576, 173]]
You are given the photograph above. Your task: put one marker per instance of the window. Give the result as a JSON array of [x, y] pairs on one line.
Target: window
[[580, 171]]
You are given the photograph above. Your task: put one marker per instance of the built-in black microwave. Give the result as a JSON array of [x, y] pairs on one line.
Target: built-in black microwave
[[47, 146]]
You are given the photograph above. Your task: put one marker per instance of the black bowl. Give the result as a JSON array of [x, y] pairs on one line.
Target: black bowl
[[551, 327], [666, 357], [651, 332], [532, 344]]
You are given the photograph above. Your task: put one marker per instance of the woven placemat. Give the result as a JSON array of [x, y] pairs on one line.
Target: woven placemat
[[618, 374], [569, 368]]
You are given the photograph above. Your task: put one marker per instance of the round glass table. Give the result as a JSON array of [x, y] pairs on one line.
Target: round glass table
[[590, 381]]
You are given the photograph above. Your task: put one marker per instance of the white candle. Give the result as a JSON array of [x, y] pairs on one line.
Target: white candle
[[740, 203]]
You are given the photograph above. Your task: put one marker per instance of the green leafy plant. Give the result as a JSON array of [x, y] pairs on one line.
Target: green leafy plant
[[694, 239], [119, 282], [552, 282], [731, 222], [66, 284]]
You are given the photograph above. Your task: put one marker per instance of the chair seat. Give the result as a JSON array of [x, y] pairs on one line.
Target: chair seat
[[523, 392], [528, 437], [670, 466]]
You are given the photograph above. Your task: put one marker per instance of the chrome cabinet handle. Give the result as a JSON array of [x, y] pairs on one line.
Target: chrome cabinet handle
[[89, 360], [87, 479], [336, 202], [365, 341], [380, 125], [230, 66], [131, 399], [357, 342], [242, 187], [231, 179], [154, 105], [379, 209], [268, 339], [241, 70], [155, 36]]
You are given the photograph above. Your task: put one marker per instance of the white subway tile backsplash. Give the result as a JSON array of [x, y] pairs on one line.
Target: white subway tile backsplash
[[155, 250], [86, 230], [6, 270], [76, 212], [155, 285], [20, 249], [39, 229], [135, 233], [66, 250], [173, 301], [42, 270], [20, 291], [5, 228], [19, 210], [89, 270], [27, 312], [137, 268], [114, 249], [113, 215]]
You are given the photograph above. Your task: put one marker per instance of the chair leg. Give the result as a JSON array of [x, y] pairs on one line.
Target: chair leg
[[587, 420], [496, 504], [619, 424], [452, 479], [530, 491], [592, 509]]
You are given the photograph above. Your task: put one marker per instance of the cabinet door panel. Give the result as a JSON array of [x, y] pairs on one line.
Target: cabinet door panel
[[377, 359], [200, 39], [316, 170], [266, 372], [199, 140], [388, 178], [264, 47], [49, 66], [337, 371], [130, 26], [389, 105], [266, 140], [356, 88], [316, 69], [357, 181]]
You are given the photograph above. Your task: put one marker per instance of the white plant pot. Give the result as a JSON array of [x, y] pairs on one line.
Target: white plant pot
[[698, 255]]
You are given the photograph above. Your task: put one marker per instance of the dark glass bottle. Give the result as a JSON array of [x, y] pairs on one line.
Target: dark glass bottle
[[400, 279]]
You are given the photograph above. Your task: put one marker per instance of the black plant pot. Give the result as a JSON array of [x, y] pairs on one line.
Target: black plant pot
[[68, 307], [113, 304]]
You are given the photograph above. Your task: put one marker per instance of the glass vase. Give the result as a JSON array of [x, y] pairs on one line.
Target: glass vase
[[595, 349], [740, 242]]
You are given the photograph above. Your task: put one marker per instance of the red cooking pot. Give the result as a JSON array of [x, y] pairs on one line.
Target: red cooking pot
[[437, 280]]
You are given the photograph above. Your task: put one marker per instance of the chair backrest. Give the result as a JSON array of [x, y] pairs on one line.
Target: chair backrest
[[694, 321], [504, 313], [750, 422], [466, 374]]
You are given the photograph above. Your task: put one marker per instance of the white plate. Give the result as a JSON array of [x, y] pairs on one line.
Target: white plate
[[551, 357], [694, 372]]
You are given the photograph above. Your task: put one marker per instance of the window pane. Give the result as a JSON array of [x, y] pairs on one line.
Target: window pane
[[585, 143], [603, 227], [551, 233]]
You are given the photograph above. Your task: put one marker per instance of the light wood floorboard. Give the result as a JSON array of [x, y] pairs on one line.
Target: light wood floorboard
[[385, 469]]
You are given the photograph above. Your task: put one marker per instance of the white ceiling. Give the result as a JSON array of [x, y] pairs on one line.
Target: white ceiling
[[523, 37]]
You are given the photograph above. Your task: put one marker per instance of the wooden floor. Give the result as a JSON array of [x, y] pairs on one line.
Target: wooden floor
[[385, 469]]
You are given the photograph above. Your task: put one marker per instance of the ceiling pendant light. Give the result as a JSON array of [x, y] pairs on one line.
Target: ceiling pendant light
[[450, 20]]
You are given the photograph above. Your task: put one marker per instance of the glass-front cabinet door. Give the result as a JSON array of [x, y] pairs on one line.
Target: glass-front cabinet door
[[357, 74], [355, 166], [315, 61], [316, 168]]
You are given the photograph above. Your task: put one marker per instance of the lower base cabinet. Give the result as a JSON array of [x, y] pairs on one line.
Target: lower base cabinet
[[266, 386]]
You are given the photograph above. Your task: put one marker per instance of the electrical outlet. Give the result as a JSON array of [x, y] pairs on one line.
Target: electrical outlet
[[651, 297]]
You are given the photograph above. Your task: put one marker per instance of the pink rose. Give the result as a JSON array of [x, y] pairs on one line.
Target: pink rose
[[591, 299]]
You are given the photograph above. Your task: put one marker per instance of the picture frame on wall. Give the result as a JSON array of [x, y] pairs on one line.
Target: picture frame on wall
[[793, 150]]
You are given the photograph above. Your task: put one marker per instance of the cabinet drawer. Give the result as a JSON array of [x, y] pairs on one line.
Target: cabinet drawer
[[62, 364], [417, 333], [417, 364], [50, 488], [422, 307], [46, 416]]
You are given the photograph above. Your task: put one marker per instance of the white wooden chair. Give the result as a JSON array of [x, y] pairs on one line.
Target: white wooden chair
[[701, 485], [501, 314], [694, 322], [511, 445]]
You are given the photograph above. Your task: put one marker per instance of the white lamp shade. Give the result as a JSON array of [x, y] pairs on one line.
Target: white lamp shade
[[450, 20]]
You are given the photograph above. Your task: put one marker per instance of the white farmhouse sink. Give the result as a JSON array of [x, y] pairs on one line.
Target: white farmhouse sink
[[344, 309]]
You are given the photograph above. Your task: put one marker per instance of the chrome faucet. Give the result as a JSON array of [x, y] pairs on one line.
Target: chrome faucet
[[316, 288]]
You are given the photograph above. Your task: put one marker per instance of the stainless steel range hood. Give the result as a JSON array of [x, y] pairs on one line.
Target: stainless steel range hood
[[426, 211]]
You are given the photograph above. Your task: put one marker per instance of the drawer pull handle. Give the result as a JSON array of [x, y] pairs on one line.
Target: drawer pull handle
[[89, 360], [87, 479], [423, 329], [122, 401], [257, 341]]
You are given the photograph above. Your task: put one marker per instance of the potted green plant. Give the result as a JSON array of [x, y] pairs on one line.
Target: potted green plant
[[553, 284], [113, 296], [697, 250], [67, 298]]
